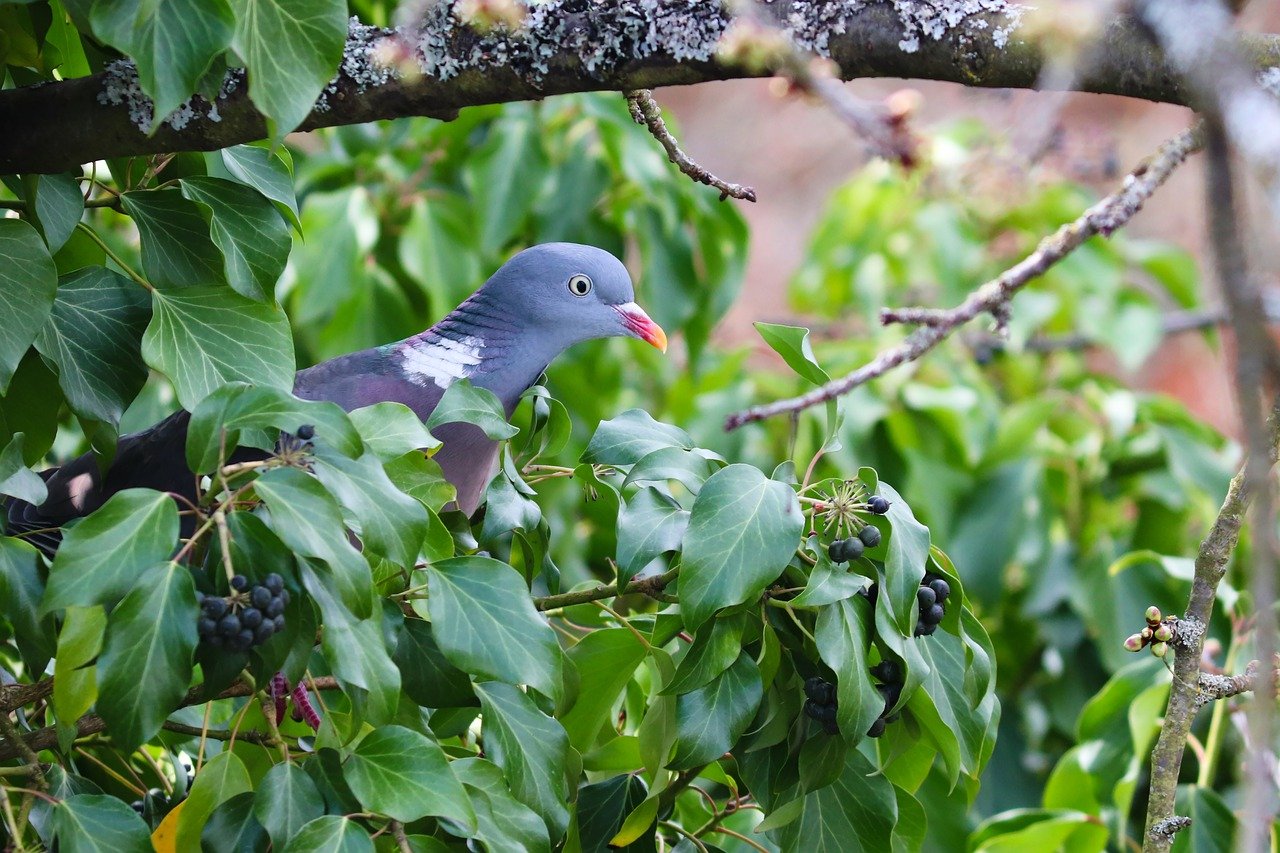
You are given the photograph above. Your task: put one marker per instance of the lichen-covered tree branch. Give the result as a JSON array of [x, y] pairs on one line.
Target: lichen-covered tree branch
[[440, 65]]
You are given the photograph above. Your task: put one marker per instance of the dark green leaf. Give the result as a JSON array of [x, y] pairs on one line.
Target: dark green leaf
[[531, 748], [855, 813], [842, 634], [152, 631], [93, 337], [88, 823], [203, 337], [605, 661], [330, 834], [291, 49], [716, 646], [710, 720], [630, 436], [102, 557], [57, 204], [428, 677], [16, 479], [286, 800], [75, 680], [688, 467], [21, 587], [742, 532], [245, 225], [28, 281], [486, 624], [31, 406], [906, 556], [603, 806], [466, 403], [649, 525], [421, 477], [504, 823], [176, 249], [1039, 829], [232, 828], [266, 172], [404, 775]]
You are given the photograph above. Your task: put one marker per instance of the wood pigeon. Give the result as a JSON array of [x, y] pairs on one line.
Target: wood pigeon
[[541, 302]]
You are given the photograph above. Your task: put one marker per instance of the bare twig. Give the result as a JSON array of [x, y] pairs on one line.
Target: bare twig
[[1103, 218], [645, 110], [1252, 483], [651, 586], [1214, 687], [47, 737]]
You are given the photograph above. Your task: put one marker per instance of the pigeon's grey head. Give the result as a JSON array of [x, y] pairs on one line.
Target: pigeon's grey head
[[571, 293]]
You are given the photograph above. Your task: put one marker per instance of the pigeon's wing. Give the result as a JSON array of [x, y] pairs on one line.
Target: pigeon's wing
[[154, 458]]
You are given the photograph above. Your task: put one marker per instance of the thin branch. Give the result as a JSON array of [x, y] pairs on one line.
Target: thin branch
[[1252, 483], [20, 746], [652, 586], [47, 737], [645, 110], [1103, 218], [1214, 687]]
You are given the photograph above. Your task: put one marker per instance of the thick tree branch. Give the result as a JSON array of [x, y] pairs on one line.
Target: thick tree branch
[[1104, 217], [619, 47]]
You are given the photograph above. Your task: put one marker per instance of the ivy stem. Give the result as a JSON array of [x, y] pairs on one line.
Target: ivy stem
[[675, 827], [648, 586], [93, 235]]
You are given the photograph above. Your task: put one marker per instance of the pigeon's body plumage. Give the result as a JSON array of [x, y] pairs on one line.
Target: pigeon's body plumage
[[501, 338]]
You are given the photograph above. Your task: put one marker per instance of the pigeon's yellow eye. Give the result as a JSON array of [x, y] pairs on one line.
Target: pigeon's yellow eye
[[580, 285]]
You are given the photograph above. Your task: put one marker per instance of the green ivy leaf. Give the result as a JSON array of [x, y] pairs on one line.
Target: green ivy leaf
[[291, 49], [688, 467], [1041, 829], [57, 204], [649, 525], [237, 406], [906, 556], [202, 337], [221, 778], [28, 282], [428, 677], [95, 823], [605, 661], [421, 478], [173, 43], [405, 775], [330, 834], [267, 172], [102, 557], [307, 519], [75, 680], [21, 587], [531, 748], [631, 436], [245, 225], [356, 649], [177, 251], [504, 823], [93, 338], [463, 402], [716, 646], [710, 720], [603, 806], [287, 799], [151, 632], [390, 430], [842, 633], [30, 406], [743, 529], [792, 343], [232, 827], [855, 813], [391, 523], [486, 624], [16, 479]]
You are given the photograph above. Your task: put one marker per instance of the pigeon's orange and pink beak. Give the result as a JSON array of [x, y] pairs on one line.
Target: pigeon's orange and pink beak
[[639, 324]]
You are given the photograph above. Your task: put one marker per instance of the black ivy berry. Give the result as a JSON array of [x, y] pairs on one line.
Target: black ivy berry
[[248, 617], [870, 593], [887, 670], [306, 432], [836, 551], [926, 597], [820, 691], [933, 615], [878, 505], [870, 536], [877, 728], [940, 588]]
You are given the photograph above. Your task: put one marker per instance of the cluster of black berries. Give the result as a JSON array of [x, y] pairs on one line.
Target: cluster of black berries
[[247, 617], [821, 703], [844, 550], [890, 676], [931, 596]]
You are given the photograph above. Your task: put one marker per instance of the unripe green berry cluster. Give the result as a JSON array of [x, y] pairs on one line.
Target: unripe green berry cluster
[[248, 617]]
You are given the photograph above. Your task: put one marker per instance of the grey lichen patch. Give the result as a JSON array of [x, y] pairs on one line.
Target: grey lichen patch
[[601, 39], [1269, 79], [121, 87], [1169, 827], [1187, 633]]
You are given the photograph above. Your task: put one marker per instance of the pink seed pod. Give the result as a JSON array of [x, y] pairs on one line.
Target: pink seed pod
[[302, 702]]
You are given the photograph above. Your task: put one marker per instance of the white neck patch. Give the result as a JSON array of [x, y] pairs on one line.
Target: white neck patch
[[442, 360]]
